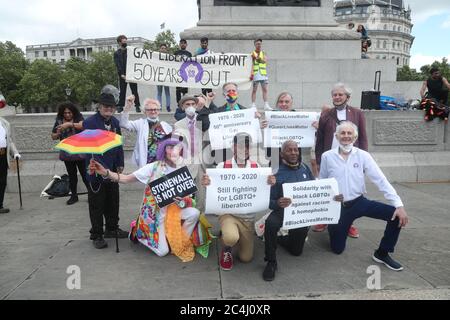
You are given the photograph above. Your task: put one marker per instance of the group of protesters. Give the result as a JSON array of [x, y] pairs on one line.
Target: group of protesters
[[340, 152]]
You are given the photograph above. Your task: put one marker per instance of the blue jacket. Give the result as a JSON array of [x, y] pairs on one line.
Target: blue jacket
[[286, 174], [112, 158]]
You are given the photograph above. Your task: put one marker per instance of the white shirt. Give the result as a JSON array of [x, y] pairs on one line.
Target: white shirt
[[350, 174], [341, 116], [141, 127], [2, 136]]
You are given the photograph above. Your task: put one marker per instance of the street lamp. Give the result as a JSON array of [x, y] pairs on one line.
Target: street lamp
[[68, 91]]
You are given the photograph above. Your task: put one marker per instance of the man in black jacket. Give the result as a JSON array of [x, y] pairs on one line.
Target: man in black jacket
[[120, 59]]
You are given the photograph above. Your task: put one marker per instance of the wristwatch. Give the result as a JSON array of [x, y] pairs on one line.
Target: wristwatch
[[182, 204]]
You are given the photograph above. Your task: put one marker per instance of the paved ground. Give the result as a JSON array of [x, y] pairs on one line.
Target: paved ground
[[41, 241]]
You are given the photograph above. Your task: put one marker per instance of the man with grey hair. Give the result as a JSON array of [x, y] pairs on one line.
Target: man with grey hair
[[150, 131], [348, 165], [326, 139]]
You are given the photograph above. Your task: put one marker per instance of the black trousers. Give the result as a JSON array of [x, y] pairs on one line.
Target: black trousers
[[71, 167], [293, 242], [180, 91], [103, 203], [3, 177], [123, 91]]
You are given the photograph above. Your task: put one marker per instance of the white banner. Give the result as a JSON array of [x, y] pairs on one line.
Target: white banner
[[225, 125], [312, 203], [283, 126], [203, 71], [237, 191]]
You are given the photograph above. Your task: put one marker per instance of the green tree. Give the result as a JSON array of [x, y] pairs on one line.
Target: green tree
[[407, 74], [102, 71], [41, 85], [167, 37], [13, 66], [444, 68], [75, 76]]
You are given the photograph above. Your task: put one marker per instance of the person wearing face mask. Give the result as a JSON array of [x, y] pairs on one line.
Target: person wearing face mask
[[326, 138], [205, 102], [231, 95], [191, 129], [349, 165], [149, 131], [120, 60]]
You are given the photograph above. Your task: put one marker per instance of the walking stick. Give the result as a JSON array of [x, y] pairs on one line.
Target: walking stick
[[117, 241], [18, 177]]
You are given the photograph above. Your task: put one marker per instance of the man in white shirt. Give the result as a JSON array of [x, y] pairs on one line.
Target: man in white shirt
[[348, 165]]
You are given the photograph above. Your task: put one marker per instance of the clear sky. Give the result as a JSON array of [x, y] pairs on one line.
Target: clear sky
[[27, 22]]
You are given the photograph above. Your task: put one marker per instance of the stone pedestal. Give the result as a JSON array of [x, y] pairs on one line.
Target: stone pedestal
[[307, 51]]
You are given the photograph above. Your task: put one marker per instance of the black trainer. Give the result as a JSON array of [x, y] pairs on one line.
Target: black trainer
[[387, 261], [112, 234], [4, 210], [72, 200], [269, 271], [138, 109], [99, 243]]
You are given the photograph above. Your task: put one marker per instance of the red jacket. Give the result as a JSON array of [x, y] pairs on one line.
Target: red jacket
[[327, 128]]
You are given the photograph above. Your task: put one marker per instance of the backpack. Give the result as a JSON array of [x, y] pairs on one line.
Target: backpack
[[59, 187]]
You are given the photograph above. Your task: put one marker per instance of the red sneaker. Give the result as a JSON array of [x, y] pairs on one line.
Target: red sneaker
[[319, 227], [353, 232], [226, 260]]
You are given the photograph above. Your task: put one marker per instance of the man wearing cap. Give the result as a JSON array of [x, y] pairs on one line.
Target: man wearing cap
[[150, 131], [191, 129], [103, 195], [7, 150]]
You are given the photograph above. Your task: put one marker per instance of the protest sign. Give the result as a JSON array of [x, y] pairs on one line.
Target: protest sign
[[237, 191], [178, 183], [203, 71], [312, 203], [283, 126], [225, 125]]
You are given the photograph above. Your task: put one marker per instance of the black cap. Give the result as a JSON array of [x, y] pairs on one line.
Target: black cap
[[107, 99]]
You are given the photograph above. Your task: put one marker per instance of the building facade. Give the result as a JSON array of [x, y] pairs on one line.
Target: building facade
[[83, 48], [388, 24]]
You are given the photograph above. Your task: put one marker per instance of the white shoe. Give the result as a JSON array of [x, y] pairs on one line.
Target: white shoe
[[267, 107], [253, 105]]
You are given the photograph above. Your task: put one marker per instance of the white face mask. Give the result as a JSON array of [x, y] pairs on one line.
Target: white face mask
[[153, 119], [190, 111], [346, 148]]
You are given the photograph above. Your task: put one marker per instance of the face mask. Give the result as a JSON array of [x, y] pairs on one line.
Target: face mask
[[347, 148], [154, 120], [124, 45], [190, 111], [231, 96]]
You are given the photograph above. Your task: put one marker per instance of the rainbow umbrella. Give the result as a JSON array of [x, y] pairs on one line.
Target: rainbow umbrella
[[90, 141]]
